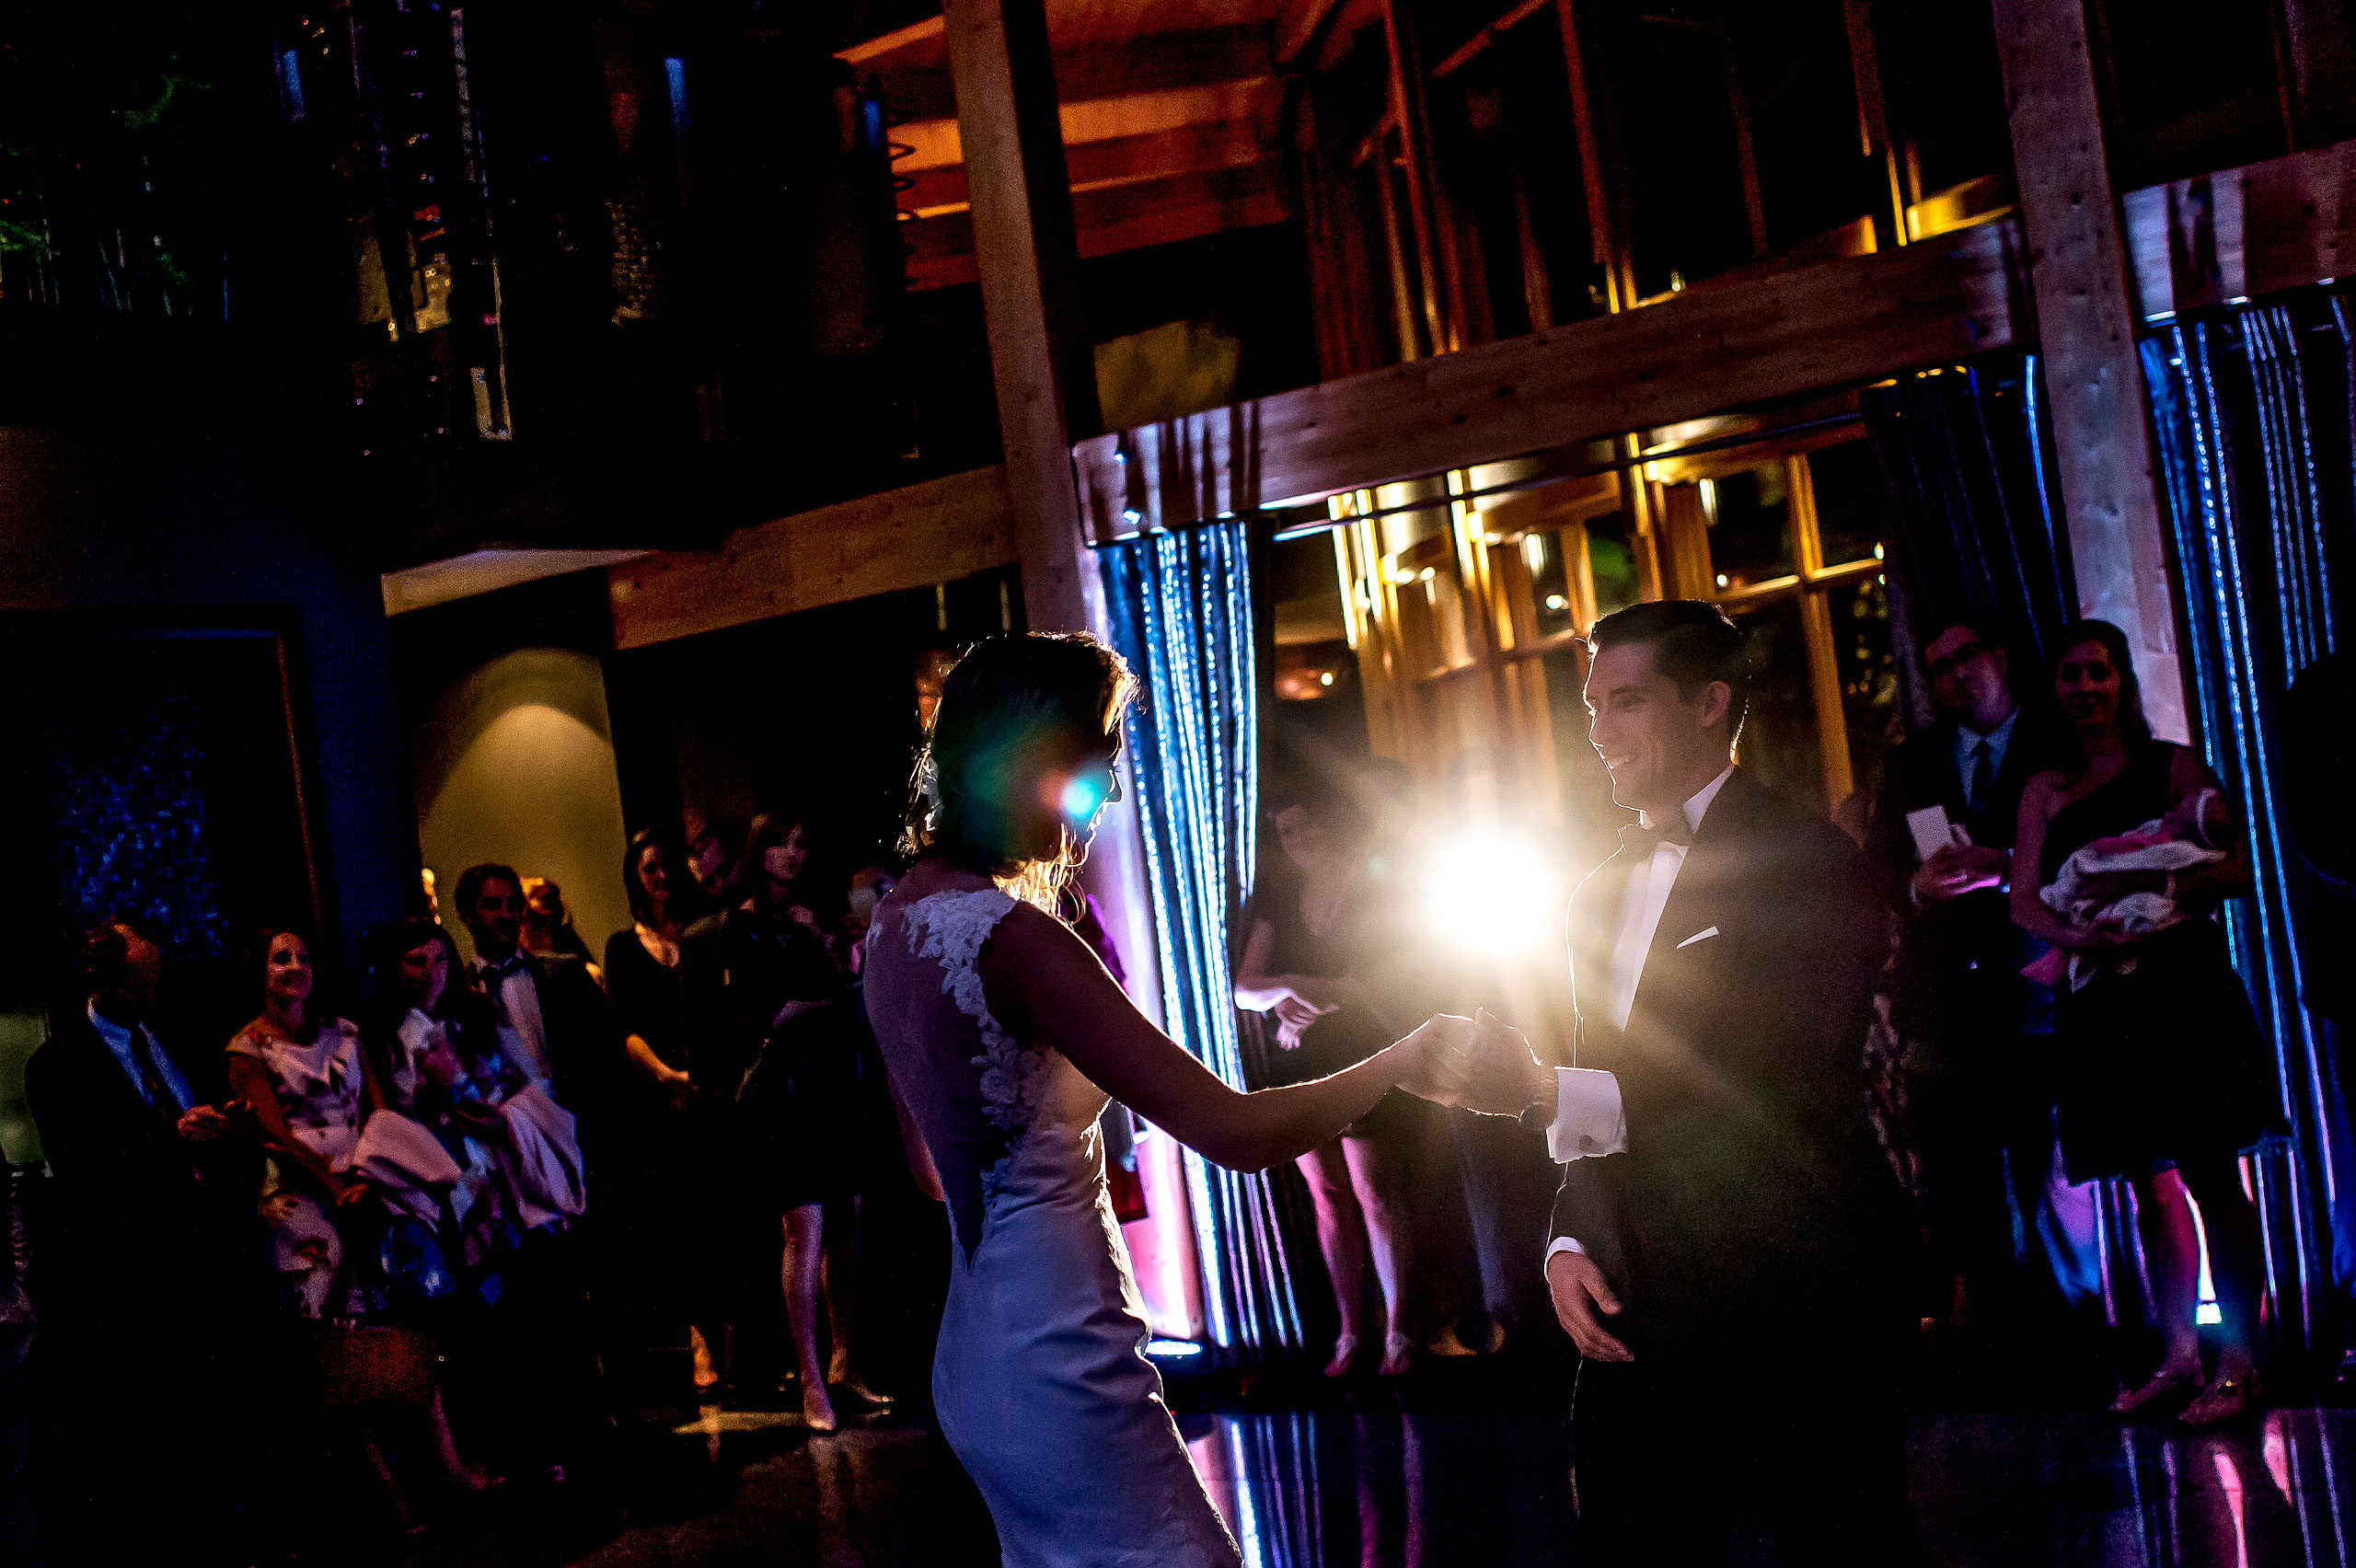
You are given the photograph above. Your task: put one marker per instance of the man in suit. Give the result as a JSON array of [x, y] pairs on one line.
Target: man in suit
[[163, 1281], [1978, 1110], [1723, 1245], [554, 1021]]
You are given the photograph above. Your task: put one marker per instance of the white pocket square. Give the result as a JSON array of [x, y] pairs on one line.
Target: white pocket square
[[1698, 936]]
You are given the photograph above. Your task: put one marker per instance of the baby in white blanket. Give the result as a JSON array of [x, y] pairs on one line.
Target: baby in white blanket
[[2185, 836]]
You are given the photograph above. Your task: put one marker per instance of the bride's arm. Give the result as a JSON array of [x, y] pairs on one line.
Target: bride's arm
[[1042, 979]]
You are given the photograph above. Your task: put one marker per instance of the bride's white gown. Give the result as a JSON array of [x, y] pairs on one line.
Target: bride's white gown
[[1040, 1381]]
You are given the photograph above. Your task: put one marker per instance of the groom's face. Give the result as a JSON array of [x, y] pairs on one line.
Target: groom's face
[[1653, 738]]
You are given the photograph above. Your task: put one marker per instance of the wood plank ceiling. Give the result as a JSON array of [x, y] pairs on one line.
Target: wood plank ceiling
[[1170, 115]]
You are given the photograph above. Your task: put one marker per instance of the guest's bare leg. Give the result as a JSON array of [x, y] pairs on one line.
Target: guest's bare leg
[[2172, 1259], [2237, 1265], [804, 1255], [1374, 1179], [838, 1274], [1341, 1237]]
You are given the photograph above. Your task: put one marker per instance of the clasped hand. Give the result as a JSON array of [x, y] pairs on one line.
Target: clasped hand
[[1477, 1064]]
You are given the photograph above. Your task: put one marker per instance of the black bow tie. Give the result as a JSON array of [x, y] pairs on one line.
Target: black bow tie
[[1640, 835], [512, 964]]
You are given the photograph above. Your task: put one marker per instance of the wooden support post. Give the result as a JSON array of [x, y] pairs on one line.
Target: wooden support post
[[1044, 367], [2102, 426], [1028, 255]]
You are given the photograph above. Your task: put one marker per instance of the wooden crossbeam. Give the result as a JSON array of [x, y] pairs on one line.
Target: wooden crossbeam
[[2243, 232], [911, 537], [915, 74], [1127, 216], [1713, 348], [1189, 149]]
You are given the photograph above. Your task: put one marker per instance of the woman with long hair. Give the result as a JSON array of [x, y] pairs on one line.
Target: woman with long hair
[[1311, 942], [774, 1045], [1004, 1036], [669, 1182], [2164, 1077]]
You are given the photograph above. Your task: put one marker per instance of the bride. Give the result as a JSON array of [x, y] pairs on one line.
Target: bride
[[1004, 1036]]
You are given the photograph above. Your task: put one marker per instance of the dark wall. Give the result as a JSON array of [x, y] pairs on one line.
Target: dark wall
[[163, 532]]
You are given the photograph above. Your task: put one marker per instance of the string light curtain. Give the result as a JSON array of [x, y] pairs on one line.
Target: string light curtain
[[2252, 407], [1180, 608], [1976, 539]]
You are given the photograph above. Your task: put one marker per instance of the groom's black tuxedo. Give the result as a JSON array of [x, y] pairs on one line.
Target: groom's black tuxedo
[[1750, 1228]]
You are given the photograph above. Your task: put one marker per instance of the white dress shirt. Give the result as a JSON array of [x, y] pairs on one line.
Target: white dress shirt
[[1589, 1121], [515, 1003], [126, 1043]]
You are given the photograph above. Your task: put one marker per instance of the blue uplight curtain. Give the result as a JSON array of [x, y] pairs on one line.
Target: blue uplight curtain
[[1180, 606], [2253, 410]]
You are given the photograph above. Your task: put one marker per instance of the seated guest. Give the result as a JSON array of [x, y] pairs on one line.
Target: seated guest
[[161, 1284], [548, 924], [2166, 1076], [308, 1083], [1979, 1105]]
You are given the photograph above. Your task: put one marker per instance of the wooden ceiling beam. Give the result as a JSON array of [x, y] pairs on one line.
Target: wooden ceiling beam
[[1189, 149], [1835, 324], [916, 84], [1115, 218], [2244, 232], [912, 537]]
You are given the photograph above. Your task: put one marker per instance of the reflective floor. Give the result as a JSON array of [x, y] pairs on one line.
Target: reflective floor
[[1387, 1490]]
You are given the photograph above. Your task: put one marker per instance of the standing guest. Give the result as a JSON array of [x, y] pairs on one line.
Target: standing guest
[[1302, 964], [2164, 1073], [664, 1193], [1979, 1105], [774, 1050], [552, 1019], [714, 862], [1723, 1243], [163, 1280], [303, 1072], [548, 924]]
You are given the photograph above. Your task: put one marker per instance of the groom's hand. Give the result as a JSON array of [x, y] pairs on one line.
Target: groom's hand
[[1579, 1295], [1501, 1076], [1431, 1059]]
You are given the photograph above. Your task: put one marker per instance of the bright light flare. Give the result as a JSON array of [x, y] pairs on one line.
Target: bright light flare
[[1493, 893], [1081, 799], [1172, 1350]]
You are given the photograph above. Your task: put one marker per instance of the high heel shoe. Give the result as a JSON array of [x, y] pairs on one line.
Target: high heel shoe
[[1398, 1354], [2167, 1383], [2225, 1400], [817, 1410], [1345, 1350]]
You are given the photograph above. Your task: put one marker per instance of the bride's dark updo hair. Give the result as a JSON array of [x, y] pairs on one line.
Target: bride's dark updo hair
[[1014, 712]]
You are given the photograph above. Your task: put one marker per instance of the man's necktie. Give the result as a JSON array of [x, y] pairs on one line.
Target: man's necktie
[[1983, 777], [160, 1098]]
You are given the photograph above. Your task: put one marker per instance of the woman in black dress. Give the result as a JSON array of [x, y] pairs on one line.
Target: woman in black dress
[[779, 1054], [666, 1184], [2164, 1079], [1312, 943]]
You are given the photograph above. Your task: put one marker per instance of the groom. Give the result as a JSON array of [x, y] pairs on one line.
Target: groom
[[1724, 1244]]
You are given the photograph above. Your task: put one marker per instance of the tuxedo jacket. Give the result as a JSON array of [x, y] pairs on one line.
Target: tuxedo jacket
[[1958, 979], [1750, 1188], [586, 1057], [142, 1206]]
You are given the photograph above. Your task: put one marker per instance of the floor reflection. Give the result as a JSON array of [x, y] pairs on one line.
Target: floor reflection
[[1325, 1489]]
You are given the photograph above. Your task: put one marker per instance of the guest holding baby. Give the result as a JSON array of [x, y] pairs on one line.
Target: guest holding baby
[[2163, 1072]]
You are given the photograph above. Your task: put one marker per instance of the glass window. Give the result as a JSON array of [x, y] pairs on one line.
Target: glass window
[[1852, 501], [1779, 738], [1611, 562], [1868, 672], [1550, 592], [1749, 515]]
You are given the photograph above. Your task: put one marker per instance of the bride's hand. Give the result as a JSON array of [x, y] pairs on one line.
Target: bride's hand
[[1432, 1058]]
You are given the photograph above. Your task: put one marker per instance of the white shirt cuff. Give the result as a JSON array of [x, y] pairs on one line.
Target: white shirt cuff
[[1587, 1117], [1561, 1244]]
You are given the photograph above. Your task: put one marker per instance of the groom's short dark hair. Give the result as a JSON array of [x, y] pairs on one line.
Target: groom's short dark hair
[[1693, 643]]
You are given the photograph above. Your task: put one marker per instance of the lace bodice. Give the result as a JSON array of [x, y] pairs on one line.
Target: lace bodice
[[975, 1091]]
